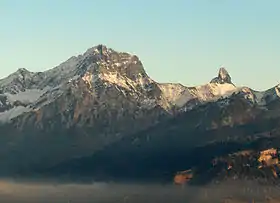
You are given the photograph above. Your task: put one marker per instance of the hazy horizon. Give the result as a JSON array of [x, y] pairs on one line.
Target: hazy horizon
[[182, 41], [243, 191]]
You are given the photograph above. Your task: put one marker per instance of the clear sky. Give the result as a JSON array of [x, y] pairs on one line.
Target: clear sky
[[182, 41]]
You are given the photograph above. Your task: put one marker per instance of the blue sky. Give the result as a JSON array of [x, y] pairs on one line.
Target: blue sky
[[182, 41]]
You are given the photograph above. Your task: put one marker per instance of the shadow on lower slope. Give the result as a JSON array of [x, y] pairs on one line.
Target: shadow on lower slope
[[157, 155]]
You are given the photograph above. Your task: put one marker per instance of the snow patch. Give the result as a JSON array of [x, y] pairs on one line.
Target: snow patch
[[26, 97], [176, 94], [6, 116], [223, 89], [124, 82], [213, 91], [116, 79], [49, 97], [183, 99]]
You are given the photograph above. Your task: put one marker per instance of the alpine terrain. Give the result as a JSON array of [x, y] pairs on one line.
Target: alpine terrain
[[99, 115]]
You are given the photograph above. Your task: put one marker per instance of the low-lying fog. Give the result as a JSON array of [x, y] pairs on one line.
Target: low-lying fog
[[17, 192]]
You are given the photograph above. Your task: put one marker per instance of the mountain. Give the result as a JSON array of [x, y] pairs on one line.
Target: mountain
[[95, 110]]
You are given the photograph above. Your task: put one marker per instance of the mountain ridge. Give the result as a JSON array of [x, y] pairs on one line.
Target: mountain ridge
[[102, 97], [85, 66], [94, 49]]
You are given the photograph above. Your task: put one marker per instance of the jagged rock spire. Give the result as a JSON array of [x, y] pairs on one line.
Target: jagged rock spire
[[223, 77]]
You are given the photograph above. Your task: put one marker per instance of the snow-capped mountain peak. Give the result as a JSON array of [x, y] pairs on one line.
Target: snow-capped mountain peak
[[100, 70]]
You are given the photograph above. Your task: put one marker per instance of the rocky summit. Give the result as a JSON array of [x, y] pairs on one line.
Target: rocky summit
[[100, 114], [223, 77]]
